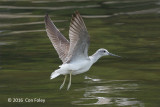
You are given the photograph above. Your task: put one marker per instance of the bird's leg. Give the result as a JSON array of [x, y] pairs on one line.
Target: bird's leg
[[69, 85], [63, 82]]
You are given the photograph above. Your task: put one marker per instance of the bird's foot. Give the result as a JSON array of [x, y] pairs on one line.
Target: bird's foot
[[63, 82], [69, 85]]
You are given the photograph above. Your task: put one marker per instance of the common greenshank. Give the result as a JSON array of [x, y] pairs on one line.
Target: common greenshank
[[74, 54]]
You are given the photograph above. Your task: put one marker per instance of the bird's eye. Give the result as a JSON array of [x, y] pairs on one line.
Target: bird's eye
[[104, 51]]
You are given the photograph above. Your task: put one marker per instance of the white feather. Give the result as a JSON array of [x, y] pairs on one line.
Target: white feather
[[54, 74]]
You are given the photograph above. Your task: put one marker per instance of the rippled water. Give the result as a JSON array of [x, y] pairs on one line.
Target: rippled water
[[127, 28]]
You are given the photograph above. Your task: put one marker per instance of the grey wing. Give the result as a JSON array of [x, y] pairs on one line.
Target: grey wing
[[79, 39], [60, 43]]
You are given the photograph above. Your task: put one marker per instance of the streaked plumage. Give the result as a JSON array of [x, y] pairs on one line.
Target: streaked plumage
[[74, 54]]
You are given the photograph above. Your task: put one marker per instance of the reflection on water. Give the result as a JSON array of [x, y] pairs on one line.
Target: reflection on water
[[155, 10], [100, 95], [20, 15], [96, 16], [29, 23], [3, 43], [49, 8], [128, 102], [20, 24], [6, 43], [29, 31], [92, 79], [39, 1]]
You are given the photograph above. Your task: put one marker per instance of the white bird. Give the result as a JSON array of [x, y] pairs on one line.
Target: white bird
[[74, 54]]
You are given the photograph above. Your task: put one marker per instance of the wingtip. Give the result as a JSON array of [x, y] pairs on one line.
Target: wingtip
[[46, 16], [77, 12]]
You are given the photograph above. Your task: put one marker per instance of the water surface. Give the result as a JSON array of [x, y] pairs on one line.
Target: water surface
[[126, 28]]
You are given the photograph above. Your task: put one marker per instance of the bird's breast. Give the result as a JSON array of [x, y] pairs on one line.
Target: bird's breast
[[80, 66], [76, 67]]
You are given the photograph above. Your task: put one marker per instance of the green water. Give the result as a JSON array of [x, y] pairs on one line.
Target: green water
[[127, 28]]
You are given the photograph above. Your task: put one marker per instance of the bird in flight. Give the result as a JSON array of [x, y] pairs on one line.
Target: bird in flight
[[73, 53]]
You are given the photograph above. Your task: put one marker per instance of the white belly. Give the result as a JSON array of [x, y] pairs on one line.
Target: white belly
[[78, 67]]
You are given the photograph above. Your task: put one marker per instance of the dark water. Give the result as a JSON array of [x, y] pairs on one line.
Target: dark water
[[128, 28]]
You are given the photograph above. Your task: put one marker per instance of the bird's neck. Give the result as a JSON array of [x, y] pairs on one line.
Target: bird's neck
[[94, 57]]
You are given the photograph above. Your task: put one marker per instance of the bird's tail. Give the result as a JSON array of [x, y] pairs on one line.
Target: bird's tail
[[54, 74]]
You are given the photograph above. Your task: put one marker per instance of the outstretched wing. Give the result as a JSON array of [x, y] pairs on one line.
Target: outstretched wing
[[60, 43], [79, 39]]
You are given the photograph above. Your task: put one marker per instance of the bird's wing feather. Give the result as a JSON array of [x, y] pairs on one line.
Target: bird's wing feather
[[60, 43], [79, 39]]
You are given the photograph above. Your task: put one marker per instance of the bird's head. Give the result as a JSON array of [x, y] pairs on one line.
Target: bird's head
[[104, 52]]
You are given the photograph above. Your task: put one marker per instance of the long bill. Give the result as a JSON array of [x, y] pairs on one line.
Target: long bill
[[113, 55]]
